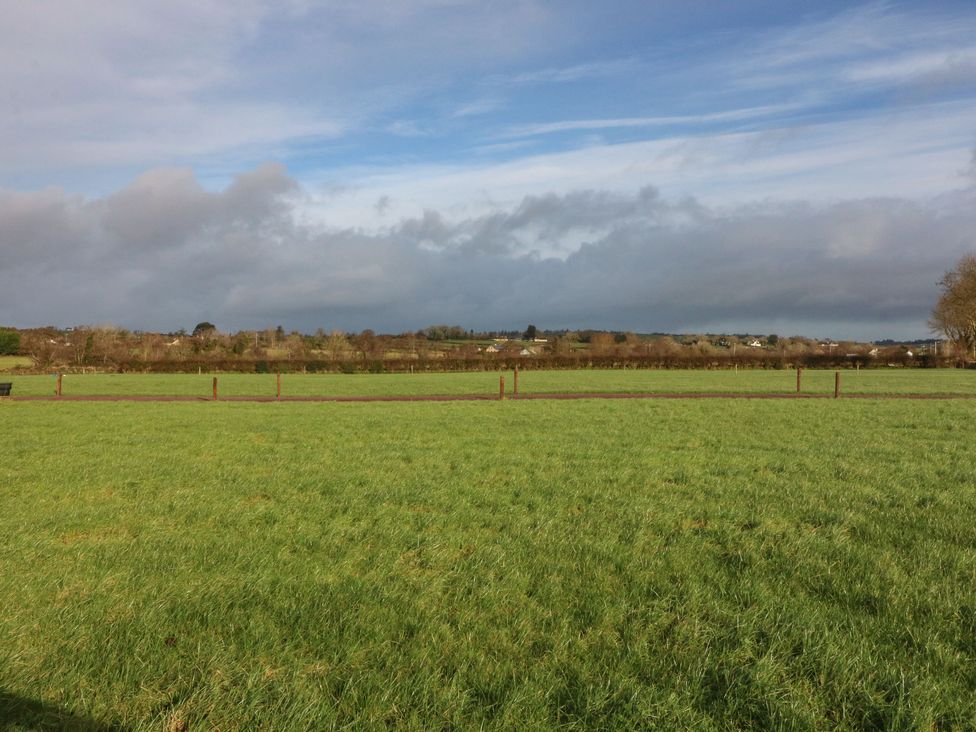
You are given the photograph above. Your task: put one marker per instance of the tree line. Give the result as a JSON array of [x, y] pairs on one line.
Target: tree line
[[437, 348], [451, 347]]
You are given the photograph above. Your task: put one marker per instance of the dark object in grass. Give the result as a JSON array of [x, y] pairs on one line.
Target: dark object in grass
[[5, 388], [170, 641]]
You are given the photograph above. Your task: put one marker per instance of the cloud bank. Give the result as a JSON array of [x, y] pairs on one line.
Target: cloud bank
[[164, 253]]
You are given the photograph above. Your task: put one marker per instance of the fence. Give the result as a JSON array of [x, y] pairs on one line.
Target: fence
[[279, 394]]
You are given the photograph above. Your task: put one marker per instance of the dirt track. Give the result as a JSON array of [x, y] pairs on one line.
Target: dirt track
[[474, 397]]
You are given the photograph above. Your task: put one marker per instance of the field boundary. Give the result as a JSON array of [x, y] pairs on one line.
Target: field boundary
[[473, 397]]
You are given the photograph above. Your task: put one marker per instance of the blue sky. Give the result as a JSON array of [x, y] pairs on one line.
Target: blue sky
[[426, 133]]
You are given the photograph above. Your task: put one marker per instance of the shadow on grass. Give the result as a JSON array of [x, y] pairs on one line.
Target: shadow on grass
[[16, 712]]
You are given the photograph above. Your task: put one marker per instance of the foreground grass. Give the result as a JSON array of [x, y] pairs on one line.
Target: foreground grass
[[869, 381], [582, 565]]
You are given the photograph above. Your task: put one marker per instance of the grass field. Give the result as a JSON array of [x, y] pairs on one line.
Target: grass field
[[873, 381], [13, 362], [521, 565]]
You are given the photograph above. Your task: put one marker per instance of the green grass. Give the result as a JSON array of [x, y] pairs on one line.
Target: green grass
[[13, 362], [876, 381], [519, 565]]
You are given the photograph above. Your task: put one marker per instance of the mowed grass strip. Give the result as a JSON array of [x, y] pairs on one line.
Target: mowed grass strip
[[867, 381], [578, 565]]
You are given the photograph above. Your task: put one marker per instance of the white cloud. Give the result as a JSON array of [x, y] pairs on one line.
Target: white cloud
[[566, 74], [913, 153], [914, 66], [877, 43], [473, 108], [89, 86], [732, 115]]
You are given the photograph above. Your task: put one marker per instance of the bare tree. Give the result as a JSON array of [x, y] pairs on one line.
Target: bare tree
[[336, 345], [41, 346], [295, 345], [955, 312], [561, 346], [601, 343]]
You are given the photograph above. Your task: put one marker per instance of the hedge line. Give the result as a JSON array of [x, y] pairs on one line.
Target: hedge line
[[480, 363]]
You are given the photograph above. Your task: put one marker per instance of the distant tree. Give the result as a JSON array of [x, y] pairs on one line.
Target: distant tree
[[561, 346], [530, 333], [704, 347], [204, 329], [106, 344], [9, 341], [955, 312], [81, 342], [240, 343], [601, 343], [665, 346], [436, 332], [295, 345], [772, 339], [150, 346], [367, 344], [445, 332], [41, 346], [336, 345]]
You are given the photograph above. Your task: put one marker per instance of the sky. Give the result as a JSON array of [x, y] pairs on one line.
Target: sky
[[765, 167]]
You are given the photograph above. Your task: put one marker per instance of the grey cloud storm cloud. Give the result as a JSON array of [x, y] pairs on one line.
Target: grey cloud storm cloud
[[165, 253]]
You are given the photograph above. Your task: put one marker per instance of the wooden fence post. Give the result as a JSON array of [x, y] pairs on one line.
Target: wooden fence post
[[215, 388], [836, 384], [58, 388], [799, 379], [515, 385], [501, 386], [279, 386]]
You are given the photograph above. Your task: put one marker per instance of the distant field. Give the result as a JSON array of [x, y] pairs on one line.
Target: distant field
[[877, 381], [13, 362], [518, 565]]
